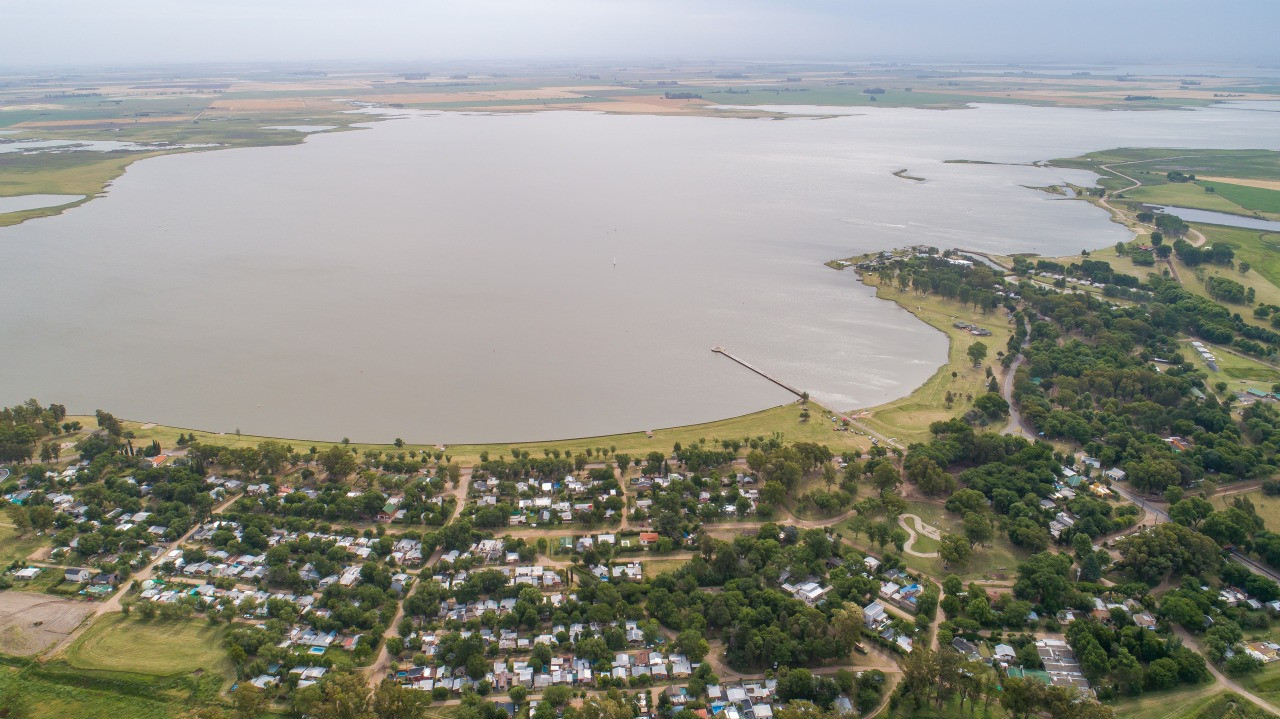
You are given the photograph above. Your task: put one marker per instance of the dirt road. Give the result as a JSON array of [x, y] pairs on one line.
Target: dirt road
[[1223, 680]]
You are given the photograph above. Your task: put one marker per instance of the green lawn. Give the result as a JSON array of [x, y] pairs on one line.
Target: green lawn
[[658, 566], [155, 647], [1240, 373], [1260, 249], [57, 691]]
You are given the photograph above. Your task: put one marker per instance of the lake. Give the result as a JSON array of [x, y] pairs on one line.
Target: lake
[[472, 277], [20, 203], [1220, 218]]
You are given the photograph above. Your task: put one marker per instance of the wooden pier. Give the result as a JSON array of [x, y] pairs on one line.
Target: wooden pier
[[762, 373]]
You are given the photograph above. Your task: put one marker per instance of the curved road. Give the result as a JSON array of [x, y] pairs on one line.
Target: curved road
[[924, 528], [1219, 678], [1017, 425]]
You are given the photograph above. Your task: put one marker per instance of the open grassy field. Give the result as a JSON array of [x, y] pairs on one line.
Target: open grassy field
[[1250, 198], [908, 418], [999, 560], [12, 547], [1259, 248], [1264, 682], [1239, 372], [1152, 164], [784, 419], [1202, 702], [1183, 194], [51, 700], [156, 647], [658, 566], [1268, 507]]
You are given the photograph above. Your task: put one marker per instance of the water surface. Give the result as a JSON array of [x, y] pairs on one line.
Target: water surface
[[451, 277], [19, 203], [1220, 218]]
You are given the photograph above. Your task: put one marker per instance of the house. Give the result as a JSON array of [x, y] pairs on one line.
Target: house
[[810, 593], [874, 616], [965, 647], [77, 575], [648, 538], [1005, 653], [1116, 473]]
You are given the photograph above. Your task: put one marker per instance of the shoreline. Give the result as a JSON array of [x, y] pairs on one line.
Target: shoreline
[[763, 421]]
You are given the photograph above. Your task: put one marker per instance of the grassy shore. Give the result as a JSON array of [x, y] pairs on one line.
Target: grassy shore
[[908, 418], [785, 420], [89, 173]]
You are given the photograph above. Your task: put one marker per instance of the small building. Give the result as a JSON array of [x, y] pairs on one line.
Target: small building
[[77, 575]]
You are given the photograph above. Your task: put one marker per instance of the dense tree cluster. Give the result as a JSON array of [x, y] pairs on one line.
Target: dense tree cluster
[[23, 426]]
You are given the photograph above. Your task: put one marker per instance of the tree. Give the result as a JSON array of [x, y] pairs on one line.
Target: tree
[[344, 696], [977, 352], [608, 707], [885, 476], [691, 644], [992, 405], [1182, 610], [955, 550], [1190, 511], [977, 528], [393, 701], [338, 462], [846, 625], [248, 702]]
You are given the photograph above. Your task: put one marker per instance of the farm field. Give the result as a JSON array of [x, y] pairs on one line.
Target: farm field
[[1182, 194], [154, 647], [31, 623], [1250, 198]]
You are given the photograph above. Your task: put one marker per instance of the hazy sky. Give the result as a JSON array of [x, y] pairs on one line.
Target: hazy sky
[[77, 32]]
